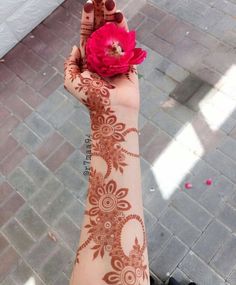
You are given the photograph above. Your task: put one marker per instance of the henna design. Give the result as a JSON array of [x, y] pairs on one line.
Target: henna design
[[109, 207], [107, 221]]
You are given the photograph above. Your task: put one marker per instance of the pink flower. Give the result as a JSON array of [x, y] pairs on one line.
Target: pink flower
[[110, 50]]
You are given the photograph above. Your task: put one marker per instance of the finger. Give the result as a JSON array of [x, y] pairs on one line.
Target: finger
[[98, 13], [121, 21], [87, 25], [109, 11], [71, 67]]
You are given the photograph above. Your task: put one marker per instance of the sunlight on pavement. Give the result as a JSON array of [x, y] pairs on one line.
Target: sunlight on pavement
[[181, 155], [31, 281]]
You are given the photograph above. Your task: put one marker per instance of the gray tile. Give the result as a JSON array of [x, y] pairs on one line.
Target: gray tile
[[191, 210], [180, 226], [158, 237], [68, 231], [73, 134], [39, 125], [211, 241], [46, 194], [32, 222], [54, 209], [22, 183], [41, 252], [17, 235], [55, 264], [225, 260], [27, 137], [169, 258], [228, 216], [199, 271], [35, 169]]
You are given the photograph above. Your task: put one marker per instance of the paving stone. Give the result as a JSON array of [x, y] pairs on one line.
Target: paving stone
[[76, 160], [18, 236], [169, 258], [55, 264], [186, 89], [222, 163], [232, 277], [32, 222], [10, 207], [181, 227], [191, 210], [24, 274], [157, 236], [27, 137], [159, 45], [188, 53], [5, 191], [149, 106], [76, 213], [225, 260], [8, 281], [180, 112], [3, 243], [46, 194], [147, 134], [166, 122], [211, 241], [54, 210], [199, 271], [180, 277], [41, 252], [146, 26], [227, 216], [153, 12], [81, 120], [72, 180], [39, 125], [59, 156], [51, 104], [135, 21], [22, 183], [228, 146], [213, 198], [48, 146], [152, 197], [11, 258], [72, 134], [60, 115], [149, 219], [69, 231], [35, 169], [162, 81], [61, 280]]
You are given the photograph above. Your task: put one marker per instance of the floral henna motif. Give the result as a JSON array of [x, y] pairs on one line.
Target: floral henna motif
[[107, 221]]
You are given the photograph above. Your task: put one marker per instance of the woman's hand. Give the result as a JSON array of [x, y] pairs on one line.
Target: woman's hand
[[98, 94]]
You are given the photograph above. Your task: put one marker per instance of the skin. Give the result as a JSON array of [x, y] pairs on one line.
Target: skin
[[112, 247]]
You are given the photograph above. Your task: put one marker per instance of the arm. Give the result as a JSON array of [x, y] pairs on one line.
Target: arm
[[112, 248]]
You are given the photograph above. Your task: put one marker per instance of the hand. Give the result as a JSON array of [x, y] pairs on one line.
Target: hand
[[100, 95]]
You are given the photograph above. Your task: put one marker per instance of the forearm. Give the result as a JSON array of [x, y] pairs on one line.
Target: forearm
[[112, 245]]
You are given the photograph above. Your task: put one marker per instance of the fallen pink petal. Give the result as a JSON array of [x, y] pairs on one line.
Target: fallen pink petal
[[209, 182], [188, 185]]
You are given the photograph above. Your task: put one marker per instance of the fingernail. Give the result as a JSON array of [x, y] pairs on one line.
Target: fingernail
[[119, 17], [88, 7], [110, 5]]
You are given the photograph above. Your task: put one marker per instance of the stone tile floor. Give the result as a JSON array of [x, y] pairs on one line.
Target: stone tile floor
[[187, 134]]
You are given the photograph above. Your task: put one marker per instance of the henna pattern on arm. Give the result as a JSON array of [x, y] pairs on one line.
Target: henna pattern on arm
[[108, 205]]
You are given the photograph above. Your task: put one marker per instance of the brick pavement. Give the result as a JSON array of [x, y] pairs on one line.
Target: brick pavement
[[187, 134]]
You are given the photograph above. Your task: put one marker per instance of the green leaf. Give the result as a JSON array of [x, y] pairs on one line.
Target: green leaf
[[140, 76]]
